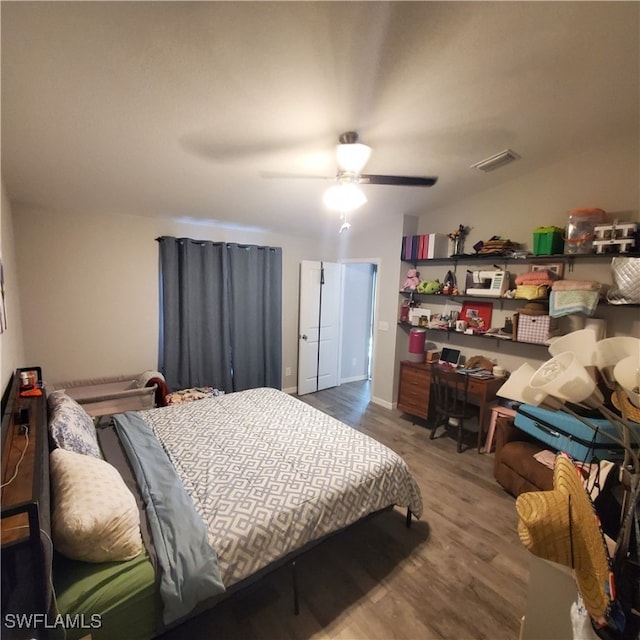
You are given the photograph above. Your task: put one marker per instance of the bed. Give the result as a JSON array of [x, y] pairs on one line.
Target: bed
[[226, 488]]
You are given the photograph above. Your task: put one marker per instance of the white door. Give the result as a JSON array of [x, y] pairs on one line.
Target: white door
[[319, 325]]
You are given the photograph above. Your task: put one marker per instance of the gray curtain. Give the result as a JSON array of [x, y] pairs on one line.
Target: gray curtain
[[220, 315], [195, 345], [255, 276]]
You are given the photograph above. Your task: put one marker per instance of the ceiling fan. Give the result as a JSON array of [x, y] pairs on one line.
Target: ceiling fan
[[352, 157], [346, 196]]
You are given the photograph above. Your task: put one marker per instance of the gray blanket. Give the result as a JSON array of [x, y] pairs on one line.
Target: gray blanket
[[188, 564]]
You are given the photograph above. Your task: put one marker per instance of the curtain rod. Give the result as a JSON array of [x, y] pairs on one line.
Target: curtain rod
[[241, 246], [159, 239]]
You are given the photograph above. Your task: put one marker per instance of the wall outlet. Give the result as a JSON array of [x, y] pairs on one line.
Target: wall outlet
[[287, 371]]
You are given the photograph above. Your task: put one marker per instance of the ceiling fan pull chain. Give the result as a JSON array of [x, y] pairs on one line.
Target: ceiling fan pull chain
[[346, 225]]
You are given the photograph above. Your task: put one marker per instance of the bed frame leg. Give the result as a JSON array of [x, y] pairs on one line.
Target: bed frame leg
[[409, 514], [294, 581]]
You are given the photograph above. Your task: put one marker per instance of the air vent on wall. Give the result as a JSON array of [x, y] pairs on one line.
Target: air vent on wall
[[496, 161]]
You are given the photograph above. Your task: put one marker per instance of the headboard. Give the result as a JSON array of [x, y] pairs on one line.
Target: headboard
[[25, 530], [7, 406]]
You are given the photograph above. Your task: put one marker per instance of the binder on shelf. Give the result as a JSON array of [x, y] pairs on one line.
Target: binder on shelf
[[438, 246], [425, 246]]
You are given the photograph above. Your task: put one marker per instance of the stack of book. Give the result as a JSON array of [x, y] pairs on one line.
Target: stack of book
[[425, 247]]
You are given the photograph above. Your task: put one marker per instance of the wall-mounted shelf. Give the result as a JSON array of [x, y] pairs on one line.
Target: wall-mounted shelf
[[568, 258], [443, 297], [460, 296], [480, 336], [473, 261]]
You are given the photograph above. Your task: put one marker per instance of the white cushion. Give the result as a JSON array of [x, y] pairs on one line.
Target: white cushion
[[95, 516]]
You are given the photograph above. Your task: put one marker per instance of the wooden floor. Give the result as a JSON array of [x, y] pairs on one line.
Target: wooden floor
[[460, 572]]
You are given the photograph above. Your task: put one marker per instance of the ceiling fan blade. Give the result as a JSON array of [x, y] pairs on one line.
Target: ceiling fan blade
[[400, 181], [286, 175]]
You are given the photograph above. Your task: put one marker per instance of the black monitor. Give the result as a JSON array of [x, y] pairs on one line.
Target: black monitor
[[449, 356]]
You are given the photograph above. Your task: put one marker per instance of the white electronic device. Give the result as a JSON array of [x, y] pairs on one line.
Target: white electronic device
[[493, 284]]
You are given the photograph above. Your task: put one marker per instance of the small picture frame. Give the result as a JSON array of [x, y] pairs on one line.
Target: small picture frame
[[30, 378], [554, 267]]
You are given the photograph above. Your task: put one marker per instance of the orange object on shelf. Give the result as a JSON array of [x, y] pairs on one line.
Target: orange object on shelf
[[31, 393]]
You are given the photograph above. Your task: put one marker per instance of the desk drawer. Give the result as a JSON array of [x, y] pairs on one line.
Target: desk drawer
[[476, 387], [413, 407], [409, 375], [414, 391]]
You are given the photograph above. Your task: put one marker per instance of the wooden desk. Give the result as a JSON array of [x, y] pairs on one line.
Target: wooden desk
[[414, 394], [483, 393]]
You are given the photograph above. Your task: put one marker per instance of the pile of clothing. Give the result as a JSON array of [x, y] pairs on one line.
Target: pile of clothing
[[534, 285], [495, 246], [194, 393], [574, 296]]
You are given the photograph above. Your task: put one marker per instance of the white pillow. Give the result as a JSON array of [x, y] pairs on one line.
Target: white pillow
[[95, 516]]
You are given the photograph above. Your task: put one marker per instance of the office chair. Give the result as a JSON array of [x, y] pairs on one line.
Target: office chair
[[450, 391]]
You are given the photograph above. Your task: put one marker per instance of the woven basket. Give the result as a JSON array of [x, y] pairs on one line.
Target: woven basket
[[532, 291]]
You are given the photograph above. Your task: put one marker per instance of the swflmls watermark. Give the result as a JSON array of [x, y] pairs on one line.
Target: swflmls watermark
[[44, 621]]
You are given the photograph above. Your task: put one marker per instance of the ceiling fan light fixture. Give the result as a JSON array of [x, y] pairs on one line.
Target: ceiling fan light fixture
[[496, 161], [344, 197], [352, 157]]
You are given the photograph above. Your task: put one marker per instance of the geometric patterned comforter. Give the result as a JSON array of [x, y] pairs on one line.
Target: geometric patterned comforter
[[268, 474]]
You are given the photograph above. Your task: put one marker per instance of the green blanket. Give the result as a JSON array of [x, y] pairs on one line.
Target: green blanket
[[108, 600]]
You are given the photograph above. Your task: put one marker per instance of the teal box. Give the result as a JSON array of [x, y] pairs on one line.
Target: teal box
[[548, 241]]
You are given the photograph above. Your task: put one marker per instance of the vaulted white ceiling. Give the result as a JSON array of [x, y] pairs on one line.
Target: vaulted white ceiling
[[187, 109]]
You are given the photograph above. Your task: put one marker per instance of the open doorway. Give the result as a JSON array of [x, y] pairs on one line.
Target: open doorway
[[336, 322], [357, 323]]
